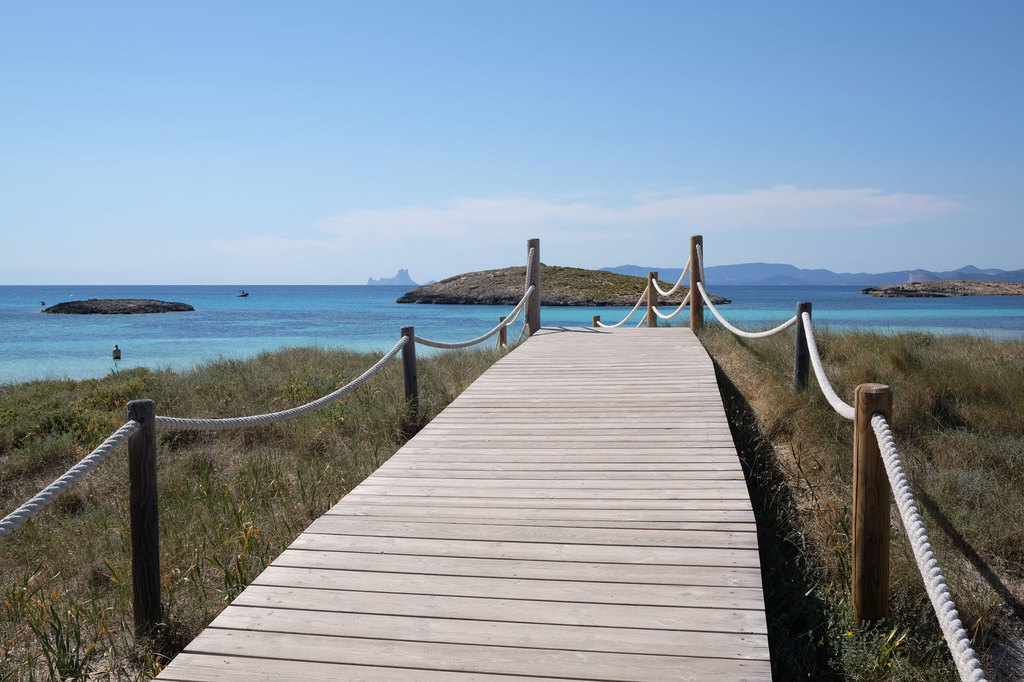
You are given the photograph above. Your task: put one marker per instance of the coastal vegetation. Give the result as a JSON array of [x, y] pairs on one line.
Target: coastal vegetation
[[229, 501], [560, 286], [958, 403]]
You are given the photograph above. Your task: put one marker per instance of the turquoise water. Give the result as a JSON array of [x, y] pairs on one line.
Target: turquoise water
[[36, 346]]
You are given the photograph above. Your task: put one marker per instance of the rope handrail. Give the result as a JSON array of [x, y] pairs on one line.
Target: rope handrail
[[846, 411], [935, 584], [623, 321], [472, 342], [669, 316], [84, 466], [182, 423], [736, 330], [677, 285], [511, 318]]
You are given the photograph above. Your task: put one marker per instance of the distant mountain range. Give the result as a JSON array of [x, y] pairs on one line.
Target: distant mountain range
[[401, 279], [776, 274]]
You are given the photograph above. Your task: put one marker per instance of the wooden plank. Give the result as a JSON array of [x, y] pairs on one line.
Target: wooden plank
[[498, 608], [415, 656], [566, 589], [332, 524], [583, 519], [497, 633], [523, 569], [673, 556]]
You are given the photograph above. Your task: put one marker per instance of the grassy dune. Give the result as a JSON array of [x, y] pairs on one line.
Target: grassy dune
[[229, 501], [959, 424]]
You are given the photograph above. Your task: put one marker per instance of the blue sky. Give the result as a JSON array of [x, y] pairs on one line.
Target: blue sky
[[327, 142]]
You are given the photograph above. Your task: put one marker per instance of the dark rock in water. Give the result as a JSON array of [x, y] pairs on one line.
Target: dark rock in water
[[116, 306], [559, 286]]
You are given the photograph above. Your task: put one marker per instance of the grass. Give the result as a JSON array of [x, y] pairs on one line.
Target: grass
[[229, 501], [958, 420]]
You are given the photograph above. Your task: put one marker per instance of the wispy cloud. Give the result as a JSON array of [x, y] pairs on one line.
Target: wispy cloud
[[781, 206], [468, 223]]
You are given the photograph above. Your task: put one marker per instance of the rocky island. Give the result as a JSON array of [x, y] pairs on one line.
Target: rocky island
[[116, 306], [946, 288], [559, 286]]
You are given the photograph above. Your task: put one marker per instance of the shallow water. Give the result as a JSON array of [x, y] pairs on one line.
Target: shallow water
[[36, 346]]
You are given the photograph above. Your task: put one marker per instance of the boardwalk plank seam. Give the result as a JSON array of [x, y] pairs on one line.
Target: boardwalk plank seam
[[579, 512]]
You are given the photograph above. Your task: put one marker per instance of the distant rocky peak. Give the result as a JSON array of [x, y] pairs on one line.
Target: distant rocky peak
[[400, 279]]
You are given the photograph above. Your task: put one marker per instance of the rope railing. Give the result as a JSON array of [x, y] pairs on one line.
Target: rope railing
[[623, 321], [669, 316], [736, 330], [949, 620], [844, 409], [472, 342], [508, 321], [72, 476], [143, 422], [871, 499], [182, 423], [676, 286]]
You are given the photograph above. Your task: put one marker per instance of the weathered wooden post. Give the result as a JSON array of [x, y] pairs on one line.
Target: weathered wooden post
[[502, 333], [652, 299], [596, 322], [412, 389], [533, 305], [870, 507], [801, 356], [696, 275], [143, 518]]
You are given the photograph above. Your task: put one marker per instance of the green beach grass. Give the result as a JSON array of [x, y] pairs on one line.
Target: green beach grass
[[229, 501], [958, 421]]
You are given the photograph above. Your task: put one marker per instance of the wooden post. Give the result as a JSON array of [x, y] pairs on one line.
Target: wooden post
[[143, 518], [412, 388], [597, 319], [870, 507], [533, 305], [652, 299], [801, 356], [502, 333], [696, 275]]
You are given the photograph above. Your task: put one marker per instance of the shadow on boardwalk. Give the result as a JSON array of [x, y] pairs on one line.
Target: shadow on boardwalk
[[796, 616]]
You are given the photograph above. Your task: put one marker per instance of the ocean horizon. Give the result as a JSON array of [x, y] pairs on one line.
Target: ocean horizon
[[366, 318]]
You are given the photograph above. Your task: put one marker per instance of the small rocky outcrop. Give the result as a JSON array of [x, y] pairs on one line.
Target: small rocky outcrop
[[559, 286], [116, 306], [947, 288]]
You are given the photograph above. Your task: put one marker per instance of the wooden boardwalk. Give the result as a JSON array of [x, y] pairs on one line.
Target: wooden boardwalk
[[579, 512]]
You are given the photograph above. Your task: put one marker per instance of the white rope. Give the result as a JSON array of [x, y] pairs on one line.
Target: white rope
[[834, 400], [512, 316], [626, 318], [179, 423], [84, 466], [956, 637], [678, 283], [739, 332], [472, 342], [674, 312]]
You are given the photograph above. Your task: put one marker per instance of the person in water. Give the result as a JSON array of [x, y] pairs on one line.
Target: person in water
[[117, 352]]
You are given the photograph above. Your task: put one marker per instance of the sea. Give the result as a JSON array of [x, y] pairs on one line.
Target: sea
[[366, 318]]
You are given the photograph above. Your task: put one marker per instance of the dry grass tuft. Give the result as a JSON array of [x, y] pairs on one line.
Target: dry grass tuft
[[229, 502], [959, 424]]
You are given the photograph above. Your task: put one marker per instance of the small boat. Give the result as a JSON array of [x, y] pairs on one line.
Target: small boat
[[242, 294]]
